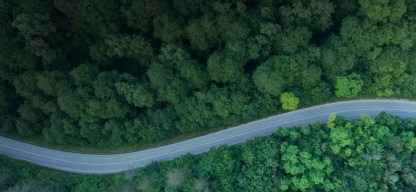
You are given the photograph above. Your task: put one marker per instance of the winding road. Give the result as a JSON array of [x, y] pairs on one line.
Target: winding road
[[113, 163]]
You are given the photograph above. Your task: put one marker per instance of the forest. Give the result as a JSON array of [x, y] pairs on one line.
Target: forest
[[367, 154], [105, 74], [113, 73]]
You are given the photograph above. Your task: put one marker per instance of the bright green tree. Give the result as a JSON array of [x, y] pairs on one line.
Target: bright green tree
[[289, 101], [348, 86]]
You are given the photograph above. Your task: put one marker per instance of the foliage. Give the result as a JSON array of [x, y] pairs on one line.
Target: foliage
[[366, 154], [105, 74], [349, 86], [289, 101]]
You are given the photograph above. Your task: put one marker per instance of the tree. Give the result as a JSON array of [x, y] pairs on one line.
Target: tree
[[145, 184], [289, 101], [321, 92], [62, 130], [140, 15], [337, 57], [348, 86], [221, 24], [201, 184], [48, 82], [176, 177], [168, 28], [71, 99], [265, 42], [331, 121], [340, 138], [36, 28], [193, 72], [292, 39], [389, 65], [91, 19], [353, 31], [91, 131], [202, 33], [303, 168], [189, 69], [231, 25], [383, 11], [29, 186], [121, 45], [223, 66], [175, 74], [139, 95], [25, 84], [310, 77], [315, 14], [115, 132], [268, 79], [292, 66], [170, 86], [218, 163]]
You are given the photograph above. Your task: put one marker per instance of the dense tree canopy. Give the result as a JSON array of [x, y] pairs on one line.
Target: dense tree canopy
[[365, 154], [111, 73]]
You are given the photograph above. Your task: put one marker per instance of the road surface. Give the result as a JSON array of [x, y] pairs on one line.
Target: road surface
[[113, 163]]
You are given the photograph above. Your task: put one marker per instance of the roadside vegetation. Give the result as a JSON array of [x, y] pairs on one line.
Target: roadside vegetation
[[116, 75], [368, 154]]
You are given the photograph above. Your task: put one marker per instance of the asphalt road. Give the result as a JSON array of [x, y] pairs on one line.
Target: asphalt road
[[102, 164]]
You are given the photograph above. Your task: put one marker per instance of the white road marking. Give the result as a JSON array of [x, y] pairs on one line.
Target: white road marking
[[213, 142]]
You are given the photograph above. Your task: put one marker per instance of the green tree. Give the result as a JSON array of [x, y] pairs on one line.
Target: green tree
[[221, 23], [331, 121], [168, 28], [202, 33], [35, 28], [321, 92], [383, 11], [224, 66], [139, 94], [212, 164], [348, 86], [315, 14], [48, 81], [120, 45], [310, 77], [176, 177], [265, 42], [31, 119], [175, 74], [189, 69], [268, 79], [91, 19], [115, 132], [293, 39], [62, 130], [289, 101], [337, 57], [170, 87], [389, 65], [194, 73], [140, 14], [341, 138]]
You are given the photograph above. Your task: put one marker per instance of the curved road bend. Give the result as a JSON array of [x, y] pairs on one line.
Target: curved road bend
[[112, 163]]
